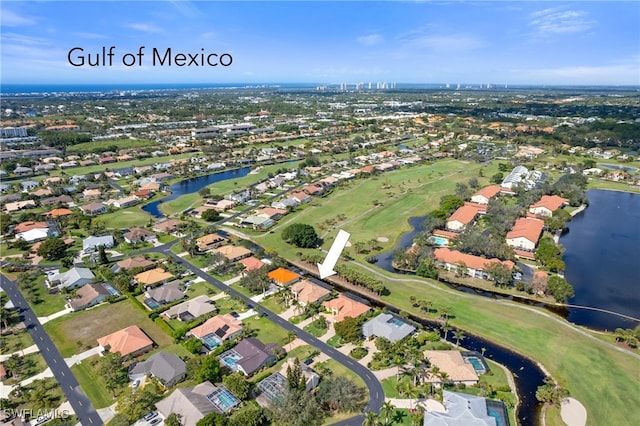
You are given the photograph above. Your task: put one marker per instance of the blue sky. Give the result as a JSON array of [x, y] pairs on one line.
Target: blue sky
[[501, 42]]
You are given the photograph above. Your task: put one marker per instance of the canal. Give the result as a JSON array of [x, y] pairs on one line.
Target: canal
[[190, 186]]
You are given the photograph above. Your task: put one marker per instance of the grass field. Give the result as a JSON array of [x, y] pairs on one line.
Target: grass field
[[89, 147], [92, 384], [76, 331], [267, 331], [125, 218]]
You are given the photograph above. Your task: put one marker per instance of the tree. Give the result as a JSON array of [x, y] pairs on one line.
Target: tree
[[340, 394], [209, 369], [193, 345], [111, 369], [173, 419], [500, 273], [297, 409], [387, 410], [295, 378], [497, 178], [135, 403], [237, 385], [550, 393], [211, 215], [458, 335], [52, 249], [348, 329], [256, 281], [560, 288], [212, 419], [249, 415], [102, 255], [301, 235], [371, 419], [204, 192], [427, 268]]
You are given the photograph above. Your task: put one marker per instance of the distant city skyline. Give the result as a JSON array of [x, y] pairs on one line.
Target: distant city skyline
[[498, 42]]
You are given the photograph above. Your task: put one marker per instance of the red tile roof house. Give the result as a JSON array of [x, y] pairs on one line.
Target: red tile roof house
[[271, 213], [547, 205], [301, 196], [525, 233], [464, 216], [485, 194], [137, 235], [475, 265], [251, 264], [342, 307], [130, 341]]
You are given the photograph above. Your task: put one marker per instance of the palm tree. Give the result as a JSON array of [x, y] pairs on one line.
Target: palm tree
[[446, 328], [434, 372], [387, 411], [458, 335], [370, 419]]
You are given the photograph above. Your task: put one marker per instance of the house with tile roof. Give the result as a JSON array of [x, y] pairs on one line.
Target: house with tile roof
[[168, 226], [475, 265], [452, 363], [283, 276], [525, 233], [251, 264], [211, 241], [132, 262], [464, 216], [93, 209], [342, 307], [485, 194], [166, 293], [547, 205], [233, 253], [306, 292], [130, 341], [55, 213], [137, 235], [217, 329], [153, 276], [88, 295]]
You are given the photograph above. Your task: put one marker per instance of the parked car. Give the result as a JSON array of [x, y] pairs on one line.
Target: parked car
[[150, 415]]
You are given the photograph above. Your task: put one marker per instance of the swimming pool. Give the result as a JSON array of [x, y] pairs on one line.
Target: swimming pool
[[476, 363], [440, 241], [397, 322], [151, 303], [112, 291], [211, 341], [498, 411], [223, 399]]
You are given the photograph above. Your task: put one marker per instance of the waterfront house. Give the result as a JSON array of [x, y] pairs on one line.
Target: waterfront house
[[474, 266], [547, 205], [233, 253], [525, 233], [342, 307], [388, 326], [211, 241], [452, 363], [464, 216], [283, 277], [485, 194], [307, 292]]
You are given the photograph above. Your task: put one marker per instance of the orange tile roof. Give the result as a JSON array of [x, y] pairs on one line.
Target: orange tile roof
[[467, 213], [528, 228], [308, 292], [345, 307], [134, 262], [447, 255], [28, 226], [283, 276], [252, 263], [153, 276], [126, 341], [551, 202], [216, 323], [58, 212], [489, 191]]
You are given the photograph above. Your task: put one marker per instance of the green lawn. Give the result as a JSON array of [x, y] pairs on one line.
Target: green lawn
[[102, 167], [267, 331], [92, 384], [340, 370], [315, 331], [16, 341], [75, 332], [125, 218], [33, 364], [89, 147]]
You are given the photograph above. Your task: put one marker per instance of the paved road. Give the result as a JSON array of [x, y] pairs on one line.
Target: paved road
[[85, 412], [376, 394]]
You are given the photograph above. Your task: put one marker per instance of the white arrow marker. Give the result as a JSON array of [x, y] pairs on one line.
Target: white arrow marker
[[326, 268]]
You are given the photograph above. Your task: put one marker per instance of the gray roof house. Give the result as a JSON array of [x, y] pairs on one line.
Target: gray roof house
[[166, 367], [166, 293], [461, 410], [191, 309], [89, 295], [91, 244], [249, 355], [388, 326], [74, 277], [192, 404]]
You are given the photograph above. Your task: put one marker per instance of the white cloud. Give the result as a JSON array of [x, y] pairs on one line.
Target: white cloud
[[559, 20], [370, 40], [144, 27], [444, 42], [12, 19]]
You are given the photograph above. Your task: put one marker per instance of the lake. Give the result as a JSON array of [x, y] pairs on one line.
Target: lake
[[189, 186], [602, 259]]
